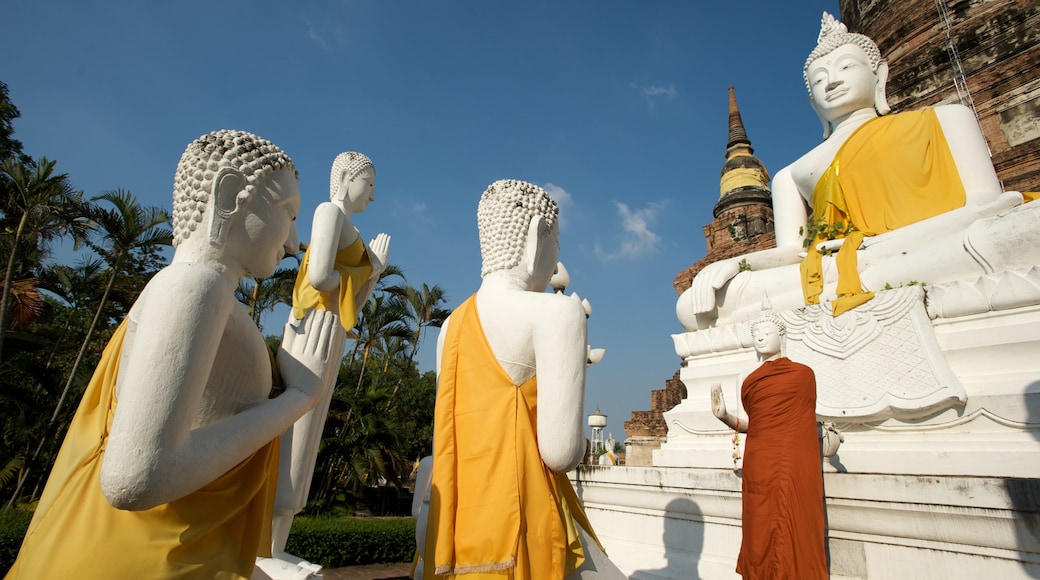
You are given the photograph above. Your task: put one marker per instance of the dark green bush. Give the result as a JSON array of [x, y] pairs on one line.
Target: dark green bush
[[13, 524], [331, 542], [337, 542]]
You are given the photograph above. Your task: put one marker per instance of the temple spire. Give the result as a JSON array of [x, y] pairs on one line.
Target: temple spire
[[737, 134], [744, 179]]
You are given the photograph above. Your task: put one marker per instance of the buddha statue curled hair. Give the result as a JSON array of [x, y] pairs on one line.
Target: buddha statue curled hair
[[504, 215], [252, 156], [834, 34], [349, 165]]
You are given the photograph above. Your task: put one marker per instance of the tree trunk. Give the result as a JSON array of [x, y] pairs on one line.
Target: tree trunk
[[7, 282], [68, 383]]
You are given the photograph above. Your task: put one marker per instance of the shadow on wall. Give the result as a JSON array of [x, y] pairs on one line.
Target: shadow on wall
[[1024, 495], [683, 541]]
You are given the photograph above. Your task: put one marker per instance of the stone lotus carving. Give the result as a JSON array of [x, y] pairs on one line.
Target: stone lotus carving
[[876, 361]]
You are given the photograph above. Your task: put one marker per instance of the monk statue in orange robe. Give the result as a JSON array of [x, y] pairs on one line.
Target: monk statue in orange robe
[[894, 199], [169, 466], [508, 420], [782, 481]]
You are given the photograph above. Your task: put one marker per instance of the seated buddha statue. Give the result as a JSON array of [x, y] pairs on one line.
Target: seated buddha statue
[[883, 201]]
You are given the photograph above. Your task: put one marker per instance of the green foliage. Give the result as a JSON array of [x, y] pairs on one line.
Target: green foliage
[[818, 230], [743, 266], [337, 542], [9, 146], [13, 524]]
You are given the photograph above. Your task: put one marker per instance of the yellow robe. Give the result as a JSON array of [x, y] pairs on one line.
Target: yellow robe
[[496, 511], [891, 172], [215, 532], [354, 267]]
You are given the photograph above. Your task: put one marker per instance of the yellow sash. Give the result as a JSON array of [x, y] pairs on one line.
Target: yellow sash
[[354, 267], [496, 511], [891, 172], [215, 532]]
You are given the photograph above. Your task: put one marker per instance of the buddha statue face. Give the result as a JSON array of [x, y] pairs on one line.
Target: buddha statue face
[[263, 229], [841, 56], [357, 191], [842, 82], [767, 338]]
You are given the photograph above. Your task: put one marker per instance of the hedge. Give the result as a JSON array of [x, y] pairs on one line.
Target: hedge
[[337, 542], [13, 524], [331, 542]]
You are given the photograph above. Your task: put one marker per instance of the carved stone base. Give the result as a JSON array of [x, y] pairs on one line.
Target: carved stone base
[[913, 395]]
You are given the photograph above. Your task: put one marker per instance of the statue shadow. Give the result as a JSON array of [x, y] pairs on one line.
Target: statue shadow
[[683, 541], [1024, 496]]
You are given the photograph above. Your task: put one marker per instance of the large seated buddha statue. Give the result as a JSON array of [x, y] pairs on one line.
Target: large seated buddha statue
[[884, 201]]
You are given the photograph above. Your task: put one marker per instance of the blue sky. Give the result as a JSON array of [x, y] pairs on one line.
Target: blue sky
[[618, 109]]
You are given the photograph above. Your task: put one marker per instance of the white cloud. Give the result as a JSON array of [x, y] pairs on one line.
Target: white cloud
[[563, 199], [637, 239], [416, 211], [652, 93], [312, 33]]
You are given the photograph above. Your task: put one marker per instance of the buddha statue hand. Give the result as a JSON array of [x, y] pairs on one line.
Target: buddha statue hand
[[378, 252], [718, 402], [305, 355], [708, 281]]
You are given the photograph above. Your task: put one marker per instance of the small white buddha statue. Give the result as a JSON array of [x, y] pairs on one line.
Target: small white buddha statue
[[338, 274]]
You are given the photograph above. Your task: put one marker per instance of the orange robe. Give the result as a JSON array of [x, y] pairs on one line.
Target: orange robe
[[354, 267], [496, 511], [891, 172], [215, 532], [782, 482]]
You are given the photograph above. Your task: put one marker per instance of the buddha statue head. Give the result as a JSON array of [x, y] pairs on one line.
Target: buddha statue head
[[517, 222], [844, 73], [221, 170], [768, 332], [352, 180]]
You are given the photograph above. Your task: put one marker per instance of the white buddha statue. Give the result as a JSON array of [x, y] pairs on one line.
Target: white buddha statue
[[168, 467], [508, 423], [338, 274], [916, 199]]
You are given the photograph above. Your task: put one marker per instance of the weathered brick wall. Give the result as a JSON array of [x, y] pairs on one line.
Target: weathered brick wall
[[999, 46], [737, 231], [651, 423]]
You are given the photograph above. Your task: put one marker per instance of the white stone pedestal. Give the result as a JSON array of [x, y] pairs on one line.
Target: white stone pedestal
[[939, 474]]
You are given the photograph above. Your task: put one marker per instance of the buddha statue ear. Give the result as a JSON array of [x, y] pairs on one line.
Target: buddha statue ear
[[228, 193], [344, 185], [880, 100], [533, 244]]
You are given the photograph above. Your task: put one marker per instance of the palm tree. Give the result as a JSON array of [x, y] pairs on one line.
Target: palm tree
[[382, 317], [381, 288], [39, 206], [77, 287], [261, 295], [125, 229], [424, 310]]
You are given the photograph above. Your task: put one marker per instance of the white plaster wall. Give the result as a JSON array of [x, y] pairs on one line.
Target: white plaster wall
[[685, 523]]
